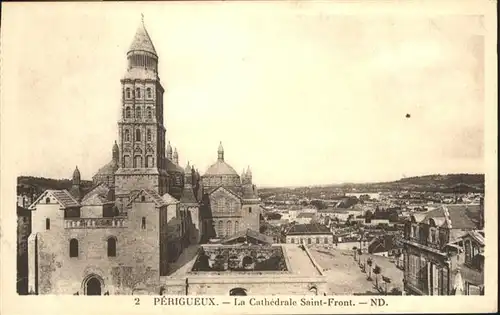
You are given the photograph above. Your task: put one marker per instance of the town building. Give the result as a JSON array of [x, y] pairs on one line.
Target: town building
[[309, 234], [385, 245], [120, 236], [433, 245]]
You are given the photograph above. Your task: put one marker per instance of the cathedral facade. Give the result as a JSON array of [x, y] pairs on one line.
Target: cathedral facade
[[144, 208]]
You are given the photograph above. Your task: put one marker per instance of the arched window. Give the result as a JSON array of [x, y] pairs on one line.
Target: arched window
[[236, 227], [326, 240], [138, 113], [149, 94], [149, 161], [73, 248], [292, 241], [309, 240], [128, 112], [137, 135], [249, 209], [229, 227], [220, 205], [148, 135], [137, 161], [150, 113], [47, 224], [220, 228], [126, 161], [138, 92], [247, 261], [143, 198], [143, 223], [111, 247], [127, 135], [47, 200], [127, 93]]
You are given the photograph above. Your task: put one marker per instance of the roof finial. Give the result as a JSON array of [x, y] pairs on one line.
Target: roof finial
[[142, 18]]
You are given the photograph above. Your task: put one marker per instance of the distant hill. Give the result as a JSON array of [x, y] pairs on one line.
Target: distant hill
[[40, 184], [449, 183]]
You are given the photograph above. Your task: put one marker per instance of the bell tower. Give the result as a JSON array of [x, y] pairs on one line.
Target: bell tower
[[141, 129]]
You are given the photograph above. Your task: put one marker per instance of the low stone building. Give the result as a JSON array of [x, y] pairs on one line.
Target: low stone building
[[309, 234]]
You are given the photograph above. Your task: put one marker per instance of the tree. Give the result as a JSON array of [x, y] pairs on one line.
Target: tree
[[319, 204], [397, 256], [369, 262], [377, 270], [386, 281], [368, 216]]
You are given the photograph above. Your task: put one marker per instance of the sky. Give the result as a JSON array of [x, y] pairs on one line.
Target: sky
[[302, 95]]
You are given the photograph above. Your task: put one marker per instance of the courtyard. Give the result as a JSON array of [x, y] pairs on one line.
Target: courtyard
[[344, 276]]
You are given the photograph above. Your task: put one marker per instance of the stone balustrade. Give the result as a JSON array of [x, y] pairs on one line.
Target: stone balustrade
[[95, 223]]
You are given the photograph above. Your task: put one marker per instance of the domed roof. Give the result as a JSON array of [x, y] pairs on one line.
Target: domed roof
[[173, 168], [108, 169], [220, 168], [142, 41]]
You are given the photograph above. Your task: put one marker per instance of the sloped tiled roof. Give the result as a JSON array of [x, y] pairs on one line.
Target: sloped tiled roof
[[251, 234], [314, 228], [169, 200], [108, 169], [157, 199], [476, 236], [97, 195], [232, 190], [454, 216], [62, 196]]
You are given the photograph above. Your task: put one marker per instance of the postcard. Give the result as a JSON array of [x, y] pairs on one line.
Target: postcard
[[241, 157]]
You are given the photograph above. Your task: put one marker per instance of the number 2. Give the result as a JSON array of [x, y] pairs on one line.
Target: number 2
[[136, 301]]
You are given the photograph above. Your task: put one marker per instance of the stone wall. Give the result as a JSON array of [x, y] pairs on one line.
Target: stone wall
[[252, 285], [136, 265]]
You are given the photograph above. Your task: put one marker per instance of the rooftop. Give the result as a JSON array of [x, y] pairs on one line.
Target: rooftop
[[220, 168], [306, 215], [301, 229], [454, 216]]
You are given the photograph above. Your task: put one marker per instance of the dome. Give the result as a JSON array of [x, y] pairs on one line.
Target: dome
[[220, 168], [108, 169], [173, 168]]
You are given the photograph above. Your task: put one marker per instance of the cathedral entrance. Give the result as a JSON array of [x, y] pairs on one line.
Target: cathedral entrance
[[93, 286]]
